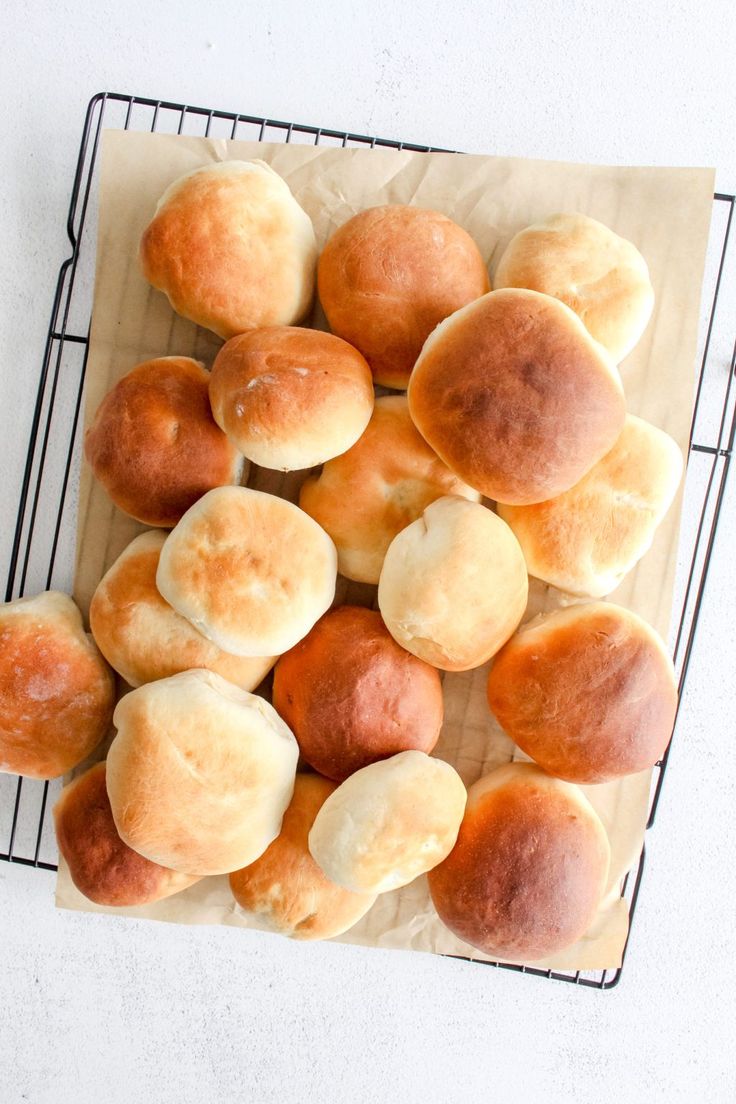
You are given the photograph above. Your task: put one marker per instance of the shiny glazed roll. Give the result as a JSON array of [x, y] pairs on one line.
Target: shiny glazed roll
[[154, 445], [387, 277], [527, 874], [101, 866], [144, 638], [516, 397], [285, 889], [365, 497], [56, 691], [231, 248], [352, 696]]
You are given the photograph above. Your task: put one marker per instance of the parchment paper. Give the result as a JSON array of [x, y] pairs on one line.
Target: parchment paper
[[666, 212]]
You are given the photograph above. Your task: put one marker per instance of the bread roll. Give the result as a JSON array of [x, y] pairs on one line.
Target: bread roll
[[352, 696], [453, 586], [389, 275], [200, 773], [154, 445], [143, 638], [291, 398], [600, 276], [251, 572], [380, 485], [529, 868], [101, 866], [232, 249], [388, 823], [56, 691], [285, 889], [588, 692], [586, 540], [516, 397]]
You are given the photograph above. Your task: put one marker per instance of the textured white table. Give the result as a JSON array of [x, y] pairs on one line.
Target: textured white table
[[93, 1009]]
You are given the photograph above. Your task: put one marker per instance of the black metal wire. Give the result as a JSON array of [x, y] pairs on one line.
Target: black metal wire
[[28, 525]]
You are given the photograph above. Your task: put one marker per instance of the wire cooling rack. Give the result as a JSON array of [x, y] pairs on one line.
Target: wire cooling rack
[[43, 545]]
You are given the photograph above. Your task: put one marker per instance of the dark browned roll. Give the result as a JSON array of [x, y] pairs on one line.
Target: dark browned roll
[[516, 397], [588, 692], [351, 695], [154, 445], [529, 868], [285, 889], [389, 275], [101, 866]]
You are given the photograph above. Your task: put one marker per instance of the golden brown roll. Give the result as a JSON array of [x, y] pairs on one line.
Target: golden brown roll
[[389, 275], [101, 866], [154, 445], [56, 691], [529, 868], [143, 638], [388, 823], [250, 571], [586, 540], [200, 773], [600, 276], [454, 585], [352, 696], [231, 248], [290, 398], [285, 889], [588, 692], [377, 488], [516, 397]]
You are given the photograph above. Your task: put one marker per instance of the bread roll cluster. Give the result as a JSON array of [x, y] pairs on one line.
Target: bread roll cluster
[[512, 395]]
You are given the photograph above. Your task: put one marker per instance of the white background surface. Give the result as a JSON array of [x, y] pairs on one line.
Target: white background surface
[[93, 1009]]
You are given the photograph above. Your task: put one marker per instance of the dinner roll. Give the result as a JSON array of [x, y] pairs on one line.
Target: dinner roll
[[600, 276], [516, 397], [249, 570], [101, 866], [200, 773], [154, 445], [529, 868], [231, 248], [285, 889], [588, 692], [388, 823], [290, 398], [389, 275], [380, 485], [351, 695], [586, 540], [454, 585], [56, 691], [143, 638]]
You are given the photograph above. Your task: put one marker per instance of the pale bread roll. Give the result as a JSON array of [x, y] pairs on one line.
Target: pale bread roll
[[586, 540], [601, 276], [285, 889], [388, 823], [378, 487], [516, 397], [251, 571], [231, 248], [588, 692], [154, 445], [529, 868], [56, 691], [387, 277], [454, 585], [290, 398], [144, 638], [200, 773], [101, 866]]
